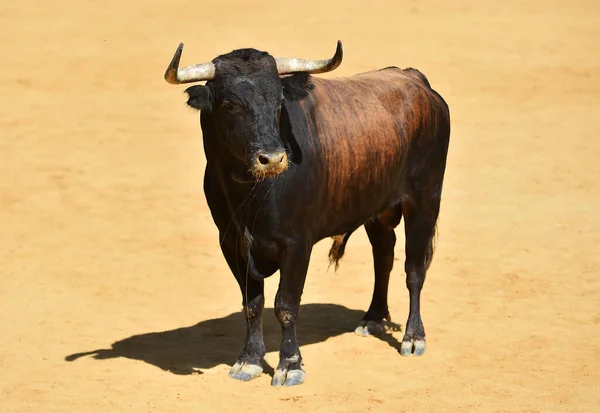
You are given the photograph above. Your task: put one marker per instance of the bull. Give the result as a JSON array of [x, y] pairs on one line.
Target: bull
[[293, 159]]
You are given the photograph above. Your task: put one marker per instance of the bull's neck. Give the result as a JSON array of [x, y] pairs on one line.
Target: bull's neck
[[245, 202], [232, 173]]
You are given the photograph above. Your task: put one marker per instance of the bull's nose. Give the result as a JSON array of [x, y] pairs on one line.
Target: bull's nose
[[270, 163], [271, 159]]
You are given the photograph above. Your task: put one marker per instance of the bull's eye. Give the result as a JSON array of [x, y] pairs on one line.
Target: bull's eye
[[230, 106]]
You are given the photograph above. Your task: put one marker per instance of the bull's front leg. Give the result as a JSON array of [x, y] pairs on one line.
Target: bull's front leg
[[287, 304], [248, 365]]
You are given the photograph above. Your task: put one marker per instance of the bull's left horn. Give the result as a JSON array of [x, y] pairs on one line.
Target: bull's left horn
[[193, 73], [288, 65]]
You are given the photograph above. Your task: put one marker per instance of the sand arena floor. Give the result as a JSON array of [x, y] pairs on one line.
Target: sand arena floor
[[113, 292]]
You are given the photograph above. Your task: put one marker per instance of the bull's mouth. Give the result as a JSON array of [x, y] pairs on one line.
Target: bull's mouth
[[260, 175]]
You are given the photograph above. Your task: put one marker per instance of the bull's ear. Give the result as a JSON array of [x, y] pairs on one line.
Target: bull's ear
[[199, 97], [287, 134]]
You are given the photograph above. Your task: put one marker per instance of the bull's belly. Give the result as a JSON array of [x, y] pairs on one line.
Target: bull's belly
[[355, 211], [359, 185]]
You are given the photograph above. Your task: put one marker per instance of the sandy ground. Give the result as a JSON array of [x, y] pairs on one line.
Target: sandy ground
[[113, 292]]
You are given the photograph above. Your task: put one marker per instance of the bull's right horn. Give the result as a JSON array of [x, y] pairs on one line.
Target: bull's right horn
[[193, 73]]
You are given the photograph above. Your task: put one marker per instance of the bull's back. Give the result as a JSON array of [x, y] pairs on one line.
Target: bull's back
[[364, 127]]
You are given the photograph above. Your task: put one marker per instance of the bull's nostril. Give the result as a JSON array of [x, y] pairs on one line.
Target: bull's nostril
[[264, 160], [281, 159]]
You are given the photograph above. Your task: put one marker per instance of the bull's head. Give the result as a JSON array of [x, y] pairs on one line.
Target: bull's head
[[244, 97]]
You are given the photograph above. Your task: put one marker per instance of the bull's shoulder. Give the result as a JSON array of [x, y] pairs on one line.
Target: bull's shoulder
[[390, 77], [396, 74], [374, 86]]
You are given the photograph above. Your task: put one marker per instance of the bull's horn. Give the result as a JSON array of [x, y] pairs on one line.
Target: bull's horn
[[193, 73], [288, 65]]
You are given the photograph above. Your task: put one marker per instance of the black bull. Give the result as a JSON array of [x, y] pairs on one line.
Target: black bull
[[293, 160]]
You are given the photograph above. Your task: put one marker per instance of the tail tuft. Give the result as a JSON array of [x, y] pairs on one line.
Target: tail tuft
[[338, 248], [337, 251]]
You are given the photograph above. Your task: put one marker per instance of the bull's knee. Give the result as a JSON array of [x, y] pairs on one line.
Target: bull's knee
[[254, 307], [415, 276], [285, 316]]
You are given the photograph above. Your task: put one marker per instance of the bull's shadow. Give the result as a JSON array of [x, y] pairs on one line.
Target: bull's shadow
[[220, 340]]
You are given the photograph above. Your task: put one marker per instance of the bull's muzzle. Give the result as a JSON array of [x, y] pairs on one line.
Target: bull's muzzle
[[268, 164]]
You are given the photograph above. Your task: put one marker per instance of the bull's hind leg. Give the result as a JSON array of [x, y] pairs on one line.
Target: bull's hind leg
[[419, 224], [248, 365], [383, 239]]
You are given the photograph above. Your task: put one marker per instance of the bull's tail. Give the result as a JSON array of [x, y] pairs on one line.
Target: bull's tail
[[430, 248], [338, 248]]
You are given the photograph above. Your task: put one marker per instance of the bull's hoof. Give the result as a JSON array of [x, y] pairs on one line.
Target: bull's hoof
[[369, 328], [245, 371], [412, 347], [285, 377]]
